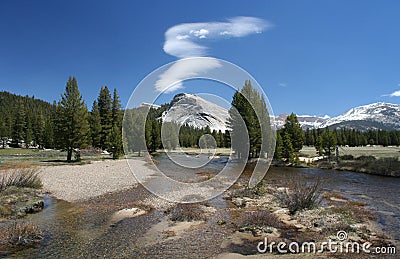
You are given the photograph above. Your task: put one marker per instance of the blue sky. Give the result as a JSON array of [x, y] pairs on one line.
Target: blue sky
[[314, 57]]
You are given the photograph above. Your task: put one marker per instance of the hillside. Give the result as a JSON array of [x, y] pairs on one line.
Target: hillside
[[21, 113]]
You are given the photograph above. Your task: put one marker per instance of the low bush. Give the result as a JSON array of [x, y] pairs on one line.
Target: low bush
[[257, 190], [347, 157], [301, 194], [187, 212], [366, 158]]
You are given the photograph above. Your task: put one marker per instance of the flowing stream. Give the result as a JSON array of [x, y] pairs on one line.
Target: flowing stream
[[74, 229]]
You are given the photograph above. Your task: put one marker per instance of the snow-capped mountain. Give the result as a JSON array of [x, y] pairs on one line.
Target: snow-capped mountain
[[306, 121], [195, 111], [372, 116]]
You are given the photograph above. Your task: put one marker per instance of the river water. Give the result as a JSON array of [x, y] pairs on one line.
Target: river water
[[75, 228]]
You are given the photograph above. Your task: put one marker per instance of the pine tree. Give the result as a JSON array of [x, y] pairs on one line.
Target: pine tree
[[105, 108], [169, 135], [279, 146], [19, 125], [153, 134], [238, 127], [72, 119], [95, 126], [326, 143], [38, 129], [117, 125], [116, 142], [287, 147], [28, 136], [48, 134], [116, 109], [293, 129], [250, 108], [134, 133]]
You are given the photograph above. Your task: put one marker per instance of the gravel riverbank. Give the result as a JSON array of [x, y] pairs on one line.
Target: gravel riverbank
[[82, 182]]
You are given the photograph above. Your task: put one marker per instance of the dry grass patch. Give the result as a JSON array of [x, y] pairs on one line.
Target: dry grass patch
[[20, 176], [259, 218], [20, 234]]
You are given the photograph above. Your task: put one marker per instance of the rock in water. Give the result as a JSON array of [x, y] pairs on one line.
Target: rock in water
[[126, 213]]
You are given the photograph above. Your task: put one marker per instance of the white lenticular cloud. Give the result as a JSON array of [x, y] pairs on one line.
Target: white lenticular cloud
[[188, 40], [171, 80], [395, 94]]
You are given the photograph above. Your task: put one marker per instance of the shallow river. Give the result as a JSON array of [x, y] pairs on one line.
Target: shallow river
[[72, 229]]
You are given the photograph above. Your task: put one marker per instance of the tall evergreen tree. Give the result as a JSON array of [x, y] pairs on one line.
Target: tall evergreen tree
[[326, 143], [116, 136], [293, 129], [20, 124], [28, 136], [116, 142], [278, 147], [116, 109], [38, 129], [48, 134], [95, 125], [153, 136], [287, 147], [72, 119], [237, 126], [105, 108], [249, 106], [134, 132]]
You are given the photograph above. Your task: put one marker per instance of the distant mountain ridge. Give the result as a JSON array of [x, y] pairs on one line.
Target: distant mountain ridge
[[373, 116], [306, 121], [197, 112]]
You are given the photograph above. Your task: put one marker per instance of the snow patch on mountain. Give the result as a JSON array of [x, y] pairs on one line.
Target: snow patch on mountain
[[371, 116], [197, 112], [306, 121]]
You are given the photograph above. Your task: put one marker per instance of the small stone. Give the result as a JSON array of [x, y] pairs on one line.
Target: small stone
[[221, 222]]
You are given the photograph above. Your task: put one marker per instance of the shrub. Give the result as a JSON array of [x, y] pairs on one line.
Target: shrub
[[259, 218], [257, 190], [187, 212], [366, 158], [20, 233], [301, 194], [23, 176], [347, 157]]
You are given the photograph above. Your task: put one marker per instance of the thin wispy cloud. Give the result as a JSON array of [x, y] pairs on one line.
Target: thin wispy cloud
[[394, 94], [190, 39], [282, 84]]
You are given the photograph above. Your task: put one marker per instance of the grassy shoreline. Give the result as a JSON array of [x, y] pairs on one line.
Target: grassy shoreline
[[375, 160], [20, 195]]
